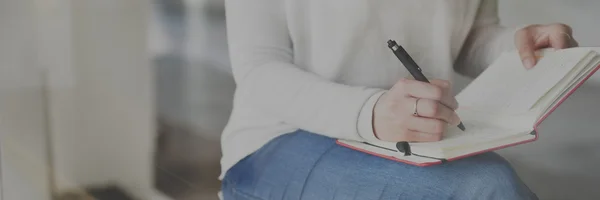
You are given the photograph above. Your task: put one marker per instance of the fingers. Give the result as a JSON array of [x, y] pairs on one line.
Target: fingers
[[532, 38], [419, 129], [559, 41], [433, 109], [557, 36], [525, 44], [421, 89], [435, 99], [447, 96], [426, 125], [439, 90], [423, 130]]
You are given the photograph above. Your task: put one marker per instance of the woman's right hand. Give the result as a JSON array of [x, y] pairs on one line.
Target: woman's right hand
[[393, 115]]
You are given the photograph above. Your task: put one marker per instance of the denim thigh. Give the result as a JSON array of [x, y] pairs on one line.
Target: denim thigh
[[304, 165]]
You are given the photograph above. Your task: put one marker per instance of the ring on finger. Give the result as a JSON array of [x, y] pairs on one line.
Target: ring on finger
[[415, 112]]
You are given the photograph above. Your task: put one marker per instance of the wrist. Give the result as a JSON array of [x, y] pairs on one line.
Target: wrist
[[366, 121]]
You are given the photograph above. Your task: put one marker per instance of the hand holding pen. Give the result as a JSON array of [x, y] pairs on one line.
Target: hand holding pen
[[412, 67], [415, 111]]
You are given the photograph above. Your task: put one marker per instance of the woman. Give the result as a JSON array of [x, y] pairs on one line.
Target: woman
[[312, 71]]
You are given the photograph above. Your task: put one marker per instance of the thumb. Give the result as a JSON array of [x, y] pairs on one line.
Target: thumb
[[526, 46]]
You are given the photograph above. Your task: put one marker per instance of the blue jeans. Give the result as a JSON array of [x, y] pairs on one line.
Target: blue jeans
[[303, 165]]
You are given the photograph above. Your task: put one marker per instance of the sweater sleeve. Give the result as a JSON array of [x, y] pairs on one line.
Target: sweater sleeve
[[266, 77], [486, 41]]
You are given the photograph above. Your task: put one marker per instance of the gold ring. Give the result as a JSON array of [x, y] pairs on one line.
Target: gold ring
[[415, 113]]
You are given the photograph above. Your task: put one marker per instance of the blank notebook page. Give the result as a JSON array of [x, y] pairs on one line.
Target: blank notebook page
[[507, 87]]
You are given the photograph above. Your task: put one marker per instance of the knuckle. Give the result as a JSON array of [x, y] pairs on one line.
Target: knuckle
[[437, 93]]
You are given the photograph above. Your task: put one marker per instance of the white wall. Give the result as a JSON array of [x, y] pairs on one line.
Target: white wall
[[22, 122], [103, 106], [100, 96]]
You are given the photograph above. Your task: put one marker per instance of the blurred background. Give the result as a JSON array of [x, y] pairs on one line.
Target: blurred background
[[128, 98]]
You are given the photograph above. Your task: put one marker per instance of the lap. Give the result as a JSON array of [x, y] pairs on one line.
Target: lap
[[303, 165]]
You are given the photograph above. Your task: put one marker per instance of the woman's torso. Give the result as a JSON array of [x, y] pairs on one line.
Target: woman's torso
[[345, 41]]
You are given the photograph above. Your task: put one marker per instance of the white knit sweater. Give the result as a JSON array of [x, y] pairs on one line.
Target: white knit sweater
[[320, 65]]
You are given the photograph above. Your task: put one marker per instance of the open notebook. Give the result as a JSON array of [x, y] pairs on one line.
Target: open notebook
[[502, 107]]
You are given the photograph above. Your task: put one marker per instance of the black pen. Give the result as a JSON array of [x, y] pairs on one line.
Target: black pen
[[411, 66]]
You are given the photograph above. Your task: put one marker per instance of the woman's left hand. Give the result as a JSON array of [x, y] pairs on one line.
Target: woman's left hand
[[535, 37]]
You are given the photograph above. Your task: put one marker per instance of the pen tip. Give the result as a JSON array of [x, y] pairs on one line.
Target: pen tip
[[462, 127]]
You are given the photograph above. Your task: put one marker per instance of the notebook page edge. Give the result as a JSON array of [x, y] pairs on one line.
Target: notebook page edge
[[520, 138], [566, 83], [573, 85], [552, 68]]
